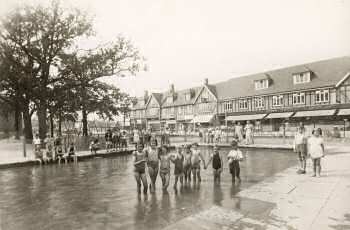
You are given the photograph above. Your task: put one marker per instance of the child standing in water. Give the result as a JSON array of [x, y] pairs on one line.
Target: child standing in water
[[153, 163], [316, 151], [300, 147], [164, 167], [196, 159], [178, 160], [234, 157], [217, 164], [140, 168], [187, 163]]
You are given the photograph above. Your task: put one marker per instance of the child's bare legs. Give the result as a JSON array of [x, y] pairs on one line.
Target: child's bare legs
[[176, 179], [317, 167], [199, 175], [194, 174], [138, 181], [153, 172], [182, 179], [165, 179]]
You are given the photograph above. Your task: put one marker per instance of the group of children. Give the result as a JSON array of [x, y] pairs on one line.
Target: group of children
[[52, 150], [312, 146], [187, 164]]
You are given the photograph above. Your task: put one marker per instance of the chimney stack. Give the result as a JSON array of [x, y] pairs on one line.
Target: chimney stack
[[172, 88], [205, 81], [145, 97]]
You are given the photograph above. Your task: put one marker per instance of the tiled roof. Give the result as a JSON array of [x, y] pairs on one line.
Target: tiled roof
[[140, 103], [325, 73], [158, 97], [180, 97]]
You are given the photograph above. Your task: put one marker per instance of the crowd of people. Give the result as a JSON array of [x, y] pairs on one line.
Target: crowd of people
[[51, 150], [187, 161]]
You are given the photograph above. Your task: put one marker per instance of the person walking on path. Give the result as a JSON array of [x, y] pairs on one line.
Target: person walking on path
[[217, 164], [140, 168], [234, 157], [300, 148], [108, 138], [196, 160], [178, 160], [153, 163], [316, 151]]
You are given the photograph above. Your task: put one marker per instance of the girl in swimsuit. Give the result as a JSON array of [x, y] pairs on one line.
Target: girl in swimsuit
[[140, 168], [164, 167], [153, 164]]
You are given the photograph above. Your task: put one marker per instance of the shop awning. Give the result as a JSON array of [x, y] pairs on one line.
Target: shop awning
[[153, 122], [315, 113], [246, 117], [203, 118], [171, 121], [184, 117], [279, 115], [343, 112]]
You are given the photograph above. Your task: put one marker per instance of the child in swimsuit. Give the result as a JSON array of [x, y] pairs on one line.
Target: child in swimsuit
[[164, 167], [178, 160], [217, 164], [153, 164], [196, 160], [140, 168], [187, 163]]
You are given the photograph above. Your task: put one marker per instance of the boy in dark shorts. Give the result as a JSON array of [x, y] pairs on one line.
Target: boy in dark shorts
[[234, 157], [217, 164], [140, 168], [71, 154], [178, 160]]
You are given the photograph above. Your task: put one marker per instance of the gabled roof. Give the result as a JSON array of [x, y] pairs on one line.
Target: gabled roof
[[210, 88], [180, 97], [324, 74], [157, 97], [140, 103]]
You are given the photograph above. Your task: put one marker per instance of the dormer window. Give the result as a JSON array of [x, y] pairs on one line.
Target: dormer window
[[262, 84], [301, 78]]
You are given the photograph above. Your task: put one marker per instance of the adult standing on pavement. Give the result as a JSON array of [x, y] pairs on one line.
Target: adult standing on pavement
[[300, 147], [249, 133], [239, 132]]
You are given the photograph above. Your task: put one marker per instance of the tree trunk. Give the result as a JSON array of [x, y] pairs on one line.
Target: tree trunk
[[85, 122], [52, 125], [60, 124], [17, 121], [28, 131], [42, 119]]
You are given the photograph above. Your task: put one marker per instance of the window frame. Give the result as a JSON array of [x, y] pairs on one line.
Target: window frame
[[259, 102], [277, 100], [261, 84], [320, 96], [243, 102], [297, 98], [302, 78]]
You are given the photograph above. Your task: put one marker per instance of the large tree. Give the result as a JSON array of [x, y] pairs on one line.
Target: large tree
[[41, 33]]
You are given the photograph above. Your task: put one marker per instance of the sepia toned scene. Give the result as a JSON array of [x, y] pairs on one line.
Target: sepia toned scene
[[130, 114]]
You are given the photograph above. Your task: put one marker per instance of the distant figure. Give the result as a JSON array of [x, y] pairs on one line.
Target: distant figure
[[249, 128], [94, 146], [316, 151], [217, 164], [109, 139], [234, 157], [239, 132], [153, 164], [71, 154], [37, 142], [116, 140], [58, 149], [124, 141], [300, 147]]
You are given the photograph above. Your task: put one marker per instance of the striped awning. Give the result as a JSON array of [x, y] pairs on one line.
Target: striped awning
[[343, 112], [203, 118], [279, 115], [246, 117], [315, 113]]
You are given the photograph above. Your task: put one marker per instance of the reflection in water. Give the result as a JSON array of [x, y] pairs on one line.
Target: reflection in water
[[102, 192]]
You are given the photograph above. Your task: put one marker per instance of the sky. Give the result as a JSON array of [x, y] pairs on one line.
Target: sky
[[186, 41]]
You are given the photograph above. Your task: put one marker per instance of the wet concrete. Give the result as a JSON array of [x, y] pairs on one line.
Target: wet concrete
[[101, 194]]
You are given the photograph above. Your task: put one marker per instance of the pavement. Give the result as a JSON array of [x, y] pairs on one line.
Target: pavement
[[286, 201]]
